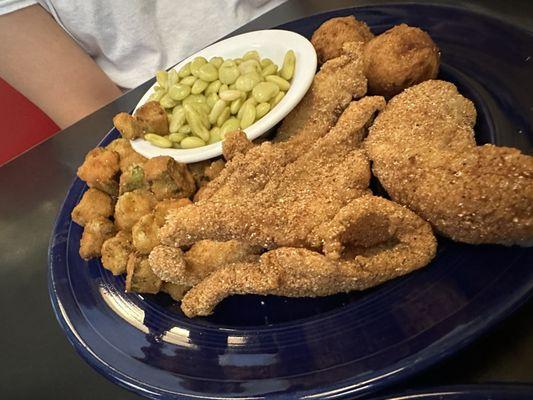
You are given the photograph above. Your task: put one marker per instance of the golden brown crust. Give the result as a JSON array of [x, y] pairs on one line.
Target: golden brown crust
[[424, 154], [127, 155], [235, 143], [332, 34], [128, 126], [407, 244], [95, 233], [152, 118], [94, 203], [131, 206], [139, 275], [270, 201], [398, 58], [338, 82], [204, 257], [168, 178], [163, 207], [116, 251], [145, 234], [100, 170]]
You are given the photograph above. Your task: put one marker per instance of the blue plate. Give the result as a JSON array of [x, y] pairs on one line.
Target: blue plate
[[333, 347], [468, 392]]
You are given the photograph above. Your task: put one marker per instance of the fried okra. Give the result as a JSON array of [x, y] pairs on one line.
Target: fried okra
[[100, 170], [168, 178], [94, 203], [139, 275], [128, 156], [128, 126], [95, 233], [116, 251], [132, 178], [174, 290], [152, 118], [164, 206], [144, 234], [205, 171], [131, 206]]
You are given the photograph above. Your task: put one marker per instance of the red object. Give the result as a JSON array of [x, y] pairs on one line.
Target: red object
[[22, 124]]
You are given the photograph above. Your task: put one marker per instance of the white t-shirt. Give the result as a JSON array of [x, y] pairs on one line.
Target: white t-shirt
[[131, 39]]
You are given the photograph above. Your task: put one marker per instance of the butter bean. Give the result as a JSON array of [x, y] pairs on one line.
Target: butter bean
[[199, 86], [230, 125], [167, 102], [230, 95], [176, 137], [208, 73], [282, 83], [269, 70], [214, 135], [213, 87], [185, 70], [162, 78], [189, 81], [179, 91], [177, 119], [216, 62], [217, 109], [261, 110], [265, 91], [158, 140], [223, 117], [211, 99], [192, 142], [196, 64], [248, 116], [289, 63], [276, 99]]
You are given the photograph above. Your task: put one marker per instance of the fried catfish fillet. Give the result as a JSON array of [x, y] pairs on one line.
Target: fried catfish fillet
[[425, 155]]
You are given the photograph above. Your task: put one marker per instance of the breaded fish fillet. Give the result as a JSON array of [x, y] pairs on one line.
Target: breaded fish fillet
[[399, 243], [425, 155]]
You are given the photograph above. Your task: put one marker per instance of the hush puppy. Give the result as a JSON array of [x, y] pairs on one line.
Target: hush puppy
[[401, 57], [332, 34]]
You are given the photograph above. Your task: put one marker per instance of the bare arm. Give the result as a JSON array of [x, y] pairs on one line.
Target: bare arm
[[46, 65]]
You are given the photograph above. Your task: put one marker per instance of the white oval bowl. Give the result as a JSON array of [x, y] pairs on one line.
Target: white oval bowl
[[269, 43]]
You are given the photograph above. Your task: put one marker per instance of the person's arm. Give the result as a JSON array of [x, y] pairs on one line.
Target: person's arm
[[47, 66]]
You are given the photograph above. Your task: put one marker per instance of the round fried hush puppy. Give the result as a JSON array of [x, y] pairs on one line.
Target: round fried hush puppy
[[116, 251], [332, 34], [94, 203], [144, 234], [131, 206], [96, 232], [139, 275], [401, 57]]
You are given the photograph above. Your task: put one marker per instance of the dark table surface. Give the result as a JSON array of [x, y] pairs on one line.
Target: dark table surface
[[38, 361]]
